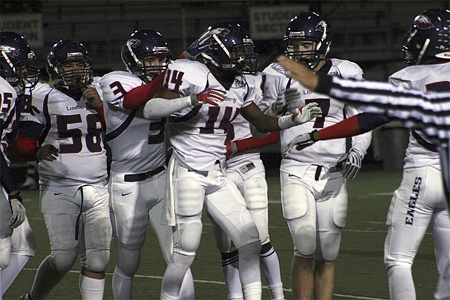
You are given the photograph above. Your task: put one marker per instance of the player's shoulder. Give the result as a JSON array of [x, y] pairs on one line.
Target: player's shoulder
[[188, 65], [192, 72], [5, 87], [344, 68], [121, 76], [41, 90], [275, 69]]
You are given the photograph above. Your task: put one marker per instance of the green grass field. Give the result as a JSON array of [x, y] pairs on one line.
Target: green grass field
[[360, 270]]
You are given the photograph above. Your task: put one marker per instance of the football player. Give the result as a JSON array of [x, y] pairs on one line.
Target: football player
[[420, 199], [138, 177], [65, 135], [17, 243], [202, 98], [247, 171], [313, 188]]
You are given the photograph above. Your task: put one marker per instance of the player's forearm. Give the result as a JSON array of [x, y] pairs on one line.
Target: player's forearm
[[26, 147], [141, 94], [159, 108], [7, 179], [256, 143]]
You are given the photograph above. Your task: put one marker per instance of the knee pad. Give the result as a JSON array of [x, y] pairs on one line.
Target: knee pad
[[329, 246], [128, 260], [190, 231], [5, 252], [304, 237], [95, 260], [63, 261]]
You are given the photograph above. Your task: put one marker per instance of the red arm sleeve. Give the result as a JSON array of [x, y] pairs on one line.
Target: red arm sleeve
[[256, 143], [26, 147], [101, 113], [348, 127], [141, 94]]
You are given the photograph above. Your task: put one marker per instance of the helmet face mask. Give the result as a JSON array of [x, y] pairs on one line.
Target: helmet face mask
[[146, 54], [307, 39], [69, 65], [428, 37], [15, 58], [228, 47]]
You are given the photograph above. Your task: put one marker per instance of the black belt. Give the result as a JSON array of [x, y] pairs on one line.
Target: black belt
[[143, 176]]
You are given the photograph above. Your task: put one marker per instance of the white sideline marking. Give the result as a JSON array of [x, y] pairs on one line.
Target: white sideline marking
[[223, 283]]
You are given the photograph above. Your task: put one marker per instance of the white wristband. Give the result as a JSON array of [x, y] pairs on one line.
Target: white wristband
[[285, 122]]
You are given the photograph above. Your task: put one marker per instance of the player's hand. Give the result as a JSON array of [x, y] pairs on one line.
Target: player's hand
[[93, 98], [304, 114], [231, 148], [282, 104], [18, 210], [211, 96], [47, 152], [350, 163], [300, 142]]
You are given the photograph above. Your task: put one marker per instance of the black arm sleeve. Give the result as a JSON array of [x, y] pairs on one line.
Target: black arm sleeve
[[369, 121], [7, 179]]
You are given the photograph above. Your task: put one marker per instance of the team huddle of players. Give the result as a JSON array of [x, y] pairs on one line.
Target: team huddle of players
[[105, 170]]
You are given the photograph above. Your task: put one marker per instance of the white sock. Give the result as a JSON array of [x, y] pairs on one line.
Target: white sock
[[121, 285], [92, 288], [187, 290], [16, 264], [230, 269], [276, 291], [165, 296], [253, 291], [271, 269]]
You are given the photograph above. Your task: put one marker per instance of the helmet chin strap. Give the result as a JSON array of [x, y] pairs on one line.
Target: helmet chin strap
[[422, 52]]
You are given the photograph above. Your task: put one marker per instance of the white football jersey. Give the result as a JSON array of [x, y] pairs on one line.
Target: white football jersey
[[425, 78], [137, 144], [198, 133], [8, 98], [326, 152], [76, 131], [240, 129]]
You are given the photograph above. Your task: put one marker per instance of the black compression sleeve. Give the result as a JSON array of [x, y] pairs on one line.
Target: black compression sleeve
[[369, 121], [7, 179]]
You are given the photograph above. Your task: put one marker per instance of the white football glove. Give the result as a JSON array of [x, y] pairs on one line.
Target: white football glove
[[300, 142], [19, 212], [306, 113], [350, 163], [284, 100]]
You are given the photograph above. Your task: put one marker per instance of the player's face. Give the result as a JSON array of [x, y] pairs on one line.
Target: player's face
[[155, 64], [304, 46], [73, 72]]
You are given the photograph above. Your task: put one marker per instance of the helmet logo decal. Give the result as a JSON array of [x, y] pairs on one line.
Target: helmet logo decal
[[423, 22], [10, 51], [223, 32], [134, 43], [321, 26]]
